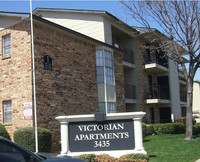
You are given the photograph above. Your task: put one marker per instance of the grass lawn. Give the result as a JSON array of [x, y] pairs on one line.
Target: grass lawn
[[172, 148]]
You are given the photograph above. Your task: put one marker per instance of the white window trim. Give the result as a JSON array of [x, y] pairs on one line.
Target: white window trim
[[4, 46], [105, 80], [104, 67], [6, 111]]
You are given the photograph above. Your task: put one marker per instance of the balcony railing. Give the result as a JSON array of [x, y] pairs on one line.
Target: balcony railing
[[130, 91], [183, 96], [160, 60], [158, 92], [128, 55]]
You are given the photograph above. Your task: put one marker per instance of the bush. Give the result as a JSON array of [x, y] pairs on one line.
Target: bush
[[106, 157], [87, 157], [147, 129], [169, 128], [26, 138], [183, 120], [3, 132], [137, 157], [196, 128]]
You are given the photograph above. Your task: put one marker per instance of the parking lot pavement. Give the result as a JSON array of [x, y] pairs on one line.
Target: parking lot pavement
[[53, 155]]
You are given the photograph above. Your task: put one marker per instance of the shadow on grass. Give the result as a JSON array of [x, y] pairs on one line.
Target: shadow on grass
[[152, 156], [196, 136]]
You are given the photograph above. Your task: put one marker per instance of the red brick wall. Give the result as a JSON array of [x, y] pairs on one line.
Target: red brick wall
[[16, 75], [143, 78], [71, 87], [119, 82], [143, 83]]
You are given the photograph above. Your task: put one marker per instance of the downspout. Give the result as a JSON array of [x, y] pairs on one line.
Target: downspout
[[34, 89]]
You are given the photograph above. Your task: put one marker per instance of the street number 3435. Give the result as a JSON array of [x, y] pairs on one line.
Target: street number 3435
[[101, 144]]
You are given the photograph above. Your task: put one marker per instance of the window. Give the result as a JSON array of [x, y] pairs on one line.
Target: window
[[102, 107], [111, 107], [109, 68], [7, 107], [105, 75], [105, 67], [47, 63], [6, 45], [100, 66]]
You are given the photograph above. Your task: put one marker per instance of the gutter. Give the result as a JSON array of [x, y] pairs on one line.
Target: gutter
[[15, 14]]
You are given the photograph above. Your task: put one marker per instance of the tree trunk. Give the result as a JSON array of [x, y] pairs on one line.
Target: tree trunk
[[189, 124]]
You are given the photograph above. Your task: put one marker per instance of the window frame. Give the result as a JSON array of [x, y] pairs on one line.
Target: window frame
[[4, 46], [105, 62], [6, 112], [105, 76], [107, 107]]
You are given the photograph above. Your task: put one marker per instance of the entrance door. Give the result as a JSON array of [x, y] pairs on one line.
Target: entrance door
[[165, 115]]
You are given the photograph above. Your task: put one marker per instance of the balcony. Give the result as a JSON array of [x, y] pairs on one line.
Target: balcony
[[128, 58], [128, 55], [156, 64], [158, 94], [130, 93]]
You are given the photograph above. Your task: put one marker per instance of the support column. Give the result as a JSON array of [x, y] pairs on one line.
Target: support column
[[138, 134], [64, 137]]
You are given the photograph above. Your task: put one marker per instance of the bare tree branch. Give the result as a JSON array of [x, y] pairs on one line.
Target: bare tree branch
[[180, 22]]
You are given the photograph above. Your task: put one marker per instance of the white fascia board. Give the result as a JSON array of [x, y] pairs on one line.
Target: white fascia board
[[109, 116], [154, 65], [154, 101], [22, 15]]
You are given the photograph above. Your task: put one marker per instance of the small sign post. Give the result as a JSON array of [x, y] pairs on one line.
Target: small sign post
[[119, 134]]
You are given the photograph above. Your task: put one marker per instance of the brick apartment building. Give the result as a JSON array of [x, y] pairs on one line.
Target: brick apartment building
[[85, 62]]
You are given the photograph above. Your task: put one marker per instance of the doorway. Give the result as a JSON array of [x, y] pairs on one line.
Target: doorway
[[165, 115]]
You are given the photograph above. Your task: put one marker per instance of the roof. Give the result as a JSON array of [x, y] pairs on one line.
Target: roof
[[143, 30], [198, 82], [67, 10], [146, 34], [15, 14]]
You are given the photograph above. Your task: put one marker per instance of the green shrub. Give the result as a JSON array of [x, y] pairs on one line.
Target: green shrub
[[169, 128], [87, 157], [104, 157], [147, 129], [26, 138], [183, 120], [137, 157], [196, 128], [125, 159], [3, 132]]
